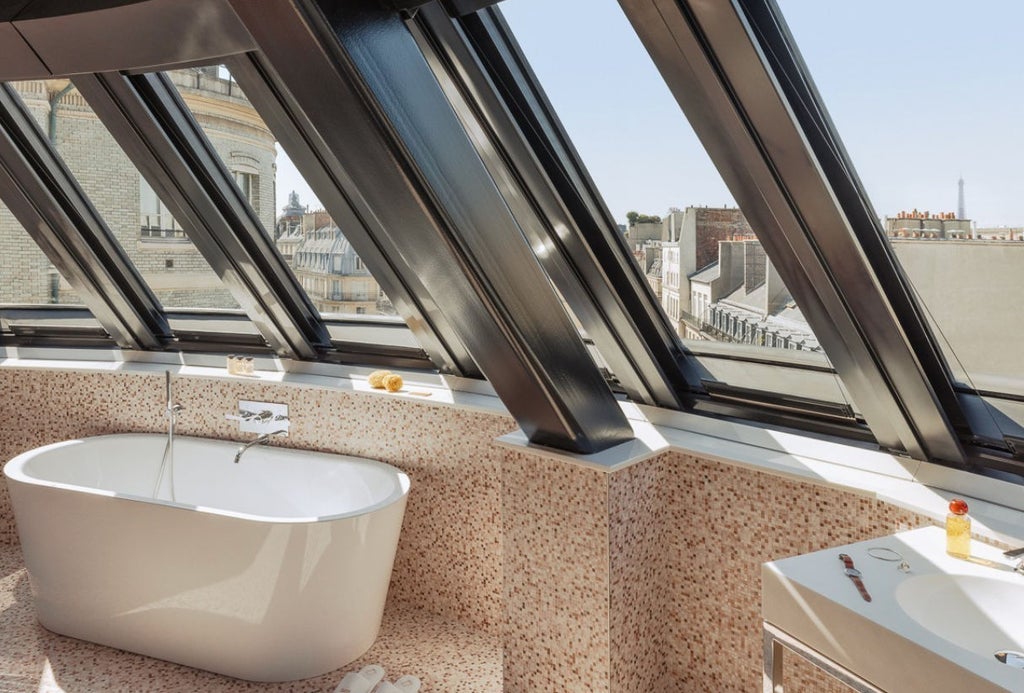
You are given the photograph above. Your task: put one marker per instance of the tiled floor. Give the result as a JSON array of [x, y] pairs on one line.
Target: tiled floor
[[447, 657]]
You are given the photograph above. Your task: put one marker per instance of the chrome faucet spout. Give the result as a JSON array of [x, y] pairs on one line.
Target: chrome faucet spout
[[256, 441], [171, 410]]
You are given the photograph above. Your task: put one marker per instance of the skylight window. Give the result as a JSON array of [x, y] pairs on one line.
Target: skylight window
[[943, 176], [312, 244], [146, 231], [724, 298]]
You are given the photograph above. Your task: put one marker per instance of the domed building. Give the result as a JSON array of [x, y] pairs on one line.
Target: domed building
[[150, 236]]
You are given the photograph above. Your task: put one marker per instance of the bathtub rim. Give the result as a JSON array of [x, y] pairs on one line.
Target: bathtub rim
[[13, 471]]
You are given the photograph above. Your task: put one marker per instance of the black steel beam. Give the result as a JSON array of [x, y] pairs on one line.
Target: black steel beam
[[326, 176], [52, 208], [365, 86], [789, 190], [148, 118], [498, 100]]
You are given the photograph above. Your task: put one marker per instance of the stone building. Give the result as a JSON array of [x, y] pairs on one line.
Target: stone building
[[917, 224], [325, 264], [741, 298], [333, 276], [688, 242], [149, 235]]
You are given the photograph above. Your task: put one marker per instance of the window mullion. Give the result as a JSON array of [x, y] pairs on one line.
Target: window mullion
[[582, 250], [359, 76], [48, 202], [326, 177], [154, 127]]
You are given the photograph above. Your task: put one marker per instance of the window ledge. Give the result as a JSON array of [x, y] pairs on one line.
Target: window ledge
[[996, 506]]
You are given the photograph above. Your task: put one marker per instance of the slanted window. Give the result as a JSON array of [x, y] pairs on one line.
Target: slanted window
[[944, 178], [680, 221]]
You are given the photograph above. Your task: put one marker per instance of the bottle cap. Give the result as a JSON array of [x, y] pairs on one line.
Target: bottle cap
[[958, 506]]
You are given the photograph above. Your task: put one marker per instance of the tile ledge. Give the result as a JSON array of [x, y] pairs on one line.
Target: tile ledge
[[928, 496]]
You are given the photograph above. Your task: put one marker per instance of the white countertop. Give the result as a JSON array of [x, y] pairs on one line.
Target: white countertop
[[810, 598]]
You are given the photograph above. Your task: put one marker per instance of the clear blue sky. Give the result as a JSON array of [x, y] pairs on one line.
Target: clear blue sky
[[921, 92]]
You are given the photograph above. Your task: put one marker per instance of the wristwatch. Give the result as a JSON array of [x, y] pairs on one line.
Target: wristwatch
[[854, 575]]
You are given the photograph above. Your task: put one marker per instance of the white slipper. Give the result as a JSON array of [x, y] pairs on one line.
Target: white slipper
[[361, 681], [386, 687], [408, 684]]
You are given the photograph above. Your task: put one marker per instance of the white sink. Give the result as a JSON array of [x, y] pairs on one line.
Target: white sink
[[981, 614], [936, 628]]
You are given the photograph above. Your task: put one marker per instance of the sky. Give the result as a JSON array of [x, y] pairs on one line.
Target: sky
[[921, 92]]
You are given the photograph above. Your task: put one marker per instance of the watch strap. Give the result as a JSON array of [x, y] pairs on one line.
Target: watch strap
[[855, 577]]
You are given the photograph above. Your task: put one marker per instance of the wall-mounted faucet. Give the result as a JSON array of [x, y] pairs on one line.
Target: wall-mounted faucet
[[257, 441], [261, 417]]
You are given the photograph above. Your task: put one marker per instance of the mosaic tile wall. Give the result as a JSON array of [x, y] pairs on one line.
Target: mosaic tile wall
[[688, 537], [643, 580], [449, 555], [556, 576]]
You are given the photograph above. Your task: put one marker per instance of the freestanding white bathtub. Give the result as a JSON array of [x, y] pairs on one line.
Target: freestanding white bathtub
[[273, 569]]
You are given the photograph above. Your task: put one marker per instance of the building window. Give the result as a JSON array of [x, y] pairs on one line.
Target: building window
[[154, 219], [248, 183]]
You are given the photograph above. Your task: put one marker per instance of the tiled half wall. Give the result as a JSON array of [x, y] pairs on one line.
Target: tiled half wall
[[642, 580]]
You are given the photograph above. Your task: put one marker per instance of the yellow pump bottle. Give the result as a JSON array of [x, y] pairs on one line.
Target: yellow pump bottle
[[958, 529]]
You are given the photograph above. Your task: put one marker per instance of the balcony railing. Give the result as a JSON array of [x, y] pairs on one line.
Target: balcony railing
[[162, 226]]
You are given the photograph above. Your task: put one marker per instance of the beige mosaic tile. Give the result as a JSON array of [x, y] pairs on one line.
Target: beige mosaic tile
[[643, 580], [719, 524], [449, 554], [556, 576], [446, 656], [639, 570]]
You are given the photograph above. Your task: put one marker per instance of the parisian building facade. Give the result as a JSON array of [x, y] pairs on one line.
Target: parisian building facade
[[320, 256]]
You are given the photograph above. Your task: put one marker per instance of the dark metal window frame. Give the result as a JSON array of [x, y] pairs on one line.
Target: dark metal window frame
[[357, 73], [45, 198], [326, 176], [738, 76], [153, 126], [530, 157], [403, 152], [319, 67]]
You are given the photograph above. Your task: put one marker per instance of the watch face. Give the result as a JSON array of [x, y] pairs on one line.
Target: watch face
[[852, 572]]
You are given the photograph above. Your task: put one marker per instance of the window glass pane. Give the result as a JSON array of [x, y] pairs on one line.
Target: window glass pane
[[26, 275], [176, 272], [703, 260], [929, 119], [322, 259]]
